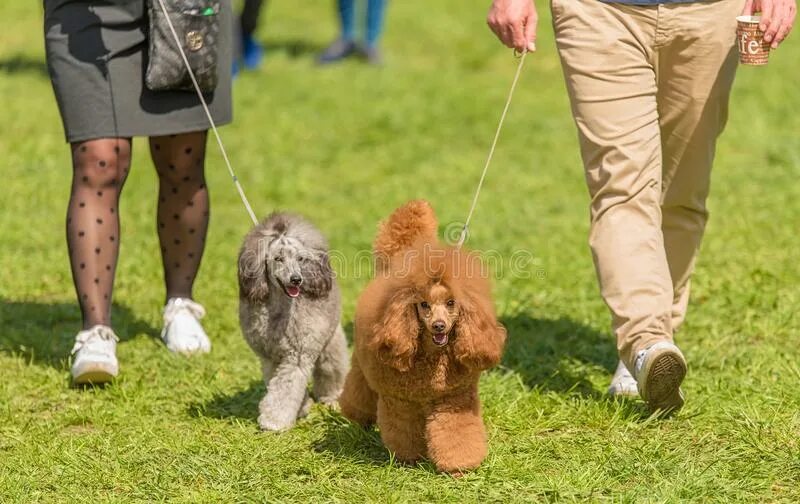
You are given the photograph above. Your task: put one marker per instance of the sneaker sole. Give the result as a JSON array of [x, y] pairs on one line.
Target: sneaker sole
[[93, 375], [664, 374]]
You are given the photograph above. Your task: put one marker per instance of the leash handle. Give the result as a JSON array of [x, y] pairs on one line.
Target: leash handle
[[465, 229]]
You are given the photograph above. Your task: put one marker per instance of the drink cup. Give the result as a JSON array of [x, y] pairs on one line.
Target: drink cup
[[753, 49]]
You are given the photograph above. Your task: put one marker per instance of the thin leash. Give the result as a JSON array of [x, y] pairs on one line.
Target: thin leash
[[465, 229], [208, 114]]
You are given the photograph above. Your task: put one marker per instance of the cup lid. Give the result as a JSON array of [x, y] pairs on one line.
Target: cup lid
[[748, 19]]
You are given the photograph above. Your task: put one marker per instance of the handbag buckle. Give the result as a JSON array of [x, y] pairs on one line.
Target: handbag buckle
[[194, 40]]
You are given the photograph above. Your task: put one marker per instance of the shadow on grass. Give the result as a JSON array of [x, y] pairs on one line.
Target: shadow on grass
[[19, 64], [561, 355], [344, 439], [294, 48], [340, 437], [348, 333], [43, 333], [558, 354], [242, 404]]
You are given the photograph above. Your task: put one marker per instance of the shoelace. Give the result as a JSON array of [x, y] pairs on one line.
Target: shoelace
[[176, 306], [84, 339]]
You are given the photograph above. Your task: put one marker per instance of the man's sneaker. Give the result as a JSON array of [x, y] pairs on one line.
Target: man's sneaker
[[337, 51], [182, 331], [623, 384], [659, 371], [95, 356]]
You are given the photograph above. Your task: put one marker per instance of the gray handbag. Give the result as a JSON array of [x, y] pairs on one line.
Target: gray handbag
[[197, 24]]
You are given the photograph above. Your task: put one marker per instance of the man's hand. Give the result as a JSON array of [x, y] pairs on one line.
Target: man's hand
[[777, 18], [514, 22]]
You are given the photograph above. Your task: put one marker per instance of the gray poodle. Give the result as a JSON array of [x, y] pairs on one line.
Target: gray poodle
[[289, 309]]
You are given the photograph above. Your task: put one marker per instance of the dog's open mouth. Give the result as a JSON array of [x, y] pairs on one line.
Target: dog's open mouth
[[292, 290], [440, 339]]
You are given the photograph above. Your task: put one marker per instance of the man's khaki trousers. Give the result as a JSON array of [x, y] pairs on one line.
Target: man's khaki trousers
[[649, 88]]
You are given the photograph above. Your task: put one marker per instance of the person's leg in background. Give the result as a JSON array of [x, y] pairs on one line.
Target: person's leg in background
[[347, 18], [345, 45], [183, 215], [251, 52], [607, 53], [100, 168], [696, 73], [376, 15]]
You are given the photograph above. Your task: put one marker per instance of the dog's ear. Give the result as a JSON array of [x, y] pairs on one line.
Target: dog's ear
[[479, 336], [396, 334], [253, 283], [317, 275]]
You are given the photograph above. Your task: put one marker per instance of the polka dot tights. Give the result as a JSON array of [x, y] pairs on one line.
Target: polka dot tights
[[182, 207], [100, 168], [99, 171]]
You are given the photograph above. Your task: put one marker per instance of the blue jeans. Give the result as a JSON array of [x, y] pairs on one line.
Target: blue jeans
[[376, 10]]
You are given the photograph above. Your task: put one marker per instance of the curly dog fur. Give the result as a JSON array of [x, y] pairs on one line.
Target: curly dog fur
[[289, 310], [425, 328]]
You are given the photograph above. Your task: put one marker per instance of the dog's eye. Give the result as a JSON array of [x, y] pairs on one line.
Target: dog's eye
[[425, 305], [278, 259], [451, 303], [301, 259]]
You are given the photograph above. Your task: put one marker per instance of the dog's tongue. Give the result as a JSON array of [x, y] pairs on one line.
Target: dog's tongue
[[440, 339], [293, 291]]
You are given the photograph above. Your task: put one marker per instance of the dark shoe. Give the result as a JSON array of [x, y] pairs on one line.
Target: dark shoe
[[252, 53], [337, 51], [373, 55]]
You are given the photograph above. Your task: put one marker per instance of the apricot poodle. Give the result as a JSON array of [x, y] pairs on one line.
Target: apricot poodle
[[425, 328]]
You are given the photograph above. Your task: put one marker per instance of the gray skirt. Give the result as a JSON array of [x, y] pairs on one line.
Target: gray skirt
[[97, 58]]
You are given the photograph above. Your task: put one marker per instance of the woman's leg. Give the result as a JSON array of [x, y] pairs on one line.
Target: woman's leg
[[251, 51], [100, 168], [347, 15], [249, 17], [345, 45], [183, 214], [183, 207], [376, 13]]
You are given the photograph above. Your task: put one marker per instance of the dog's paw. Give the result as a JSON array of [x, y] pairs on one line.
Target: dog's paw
[[271, 424], [305, 409], [331, 402]]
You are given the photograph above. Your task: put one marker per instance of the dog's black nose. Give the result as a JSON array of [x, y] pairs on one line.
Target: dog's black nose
[[296, 279], [439, 326]]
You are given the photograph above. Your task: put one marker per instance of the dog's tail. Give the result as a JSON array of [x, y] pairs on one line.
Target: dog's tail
[[412, 221]]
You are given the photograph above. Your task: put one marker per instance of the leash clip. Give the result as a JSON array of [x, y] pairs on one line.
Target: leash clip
[[463, 237]]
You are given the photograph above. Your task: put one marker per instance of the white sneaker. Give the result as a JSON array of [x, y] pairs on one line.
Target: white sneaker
[[95, 356], [623, 384], [182, 331], [659, 371]]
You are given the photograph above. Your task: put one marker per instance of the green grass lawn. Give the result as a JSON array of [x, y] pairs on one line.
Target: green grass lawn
[[345, 146]]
